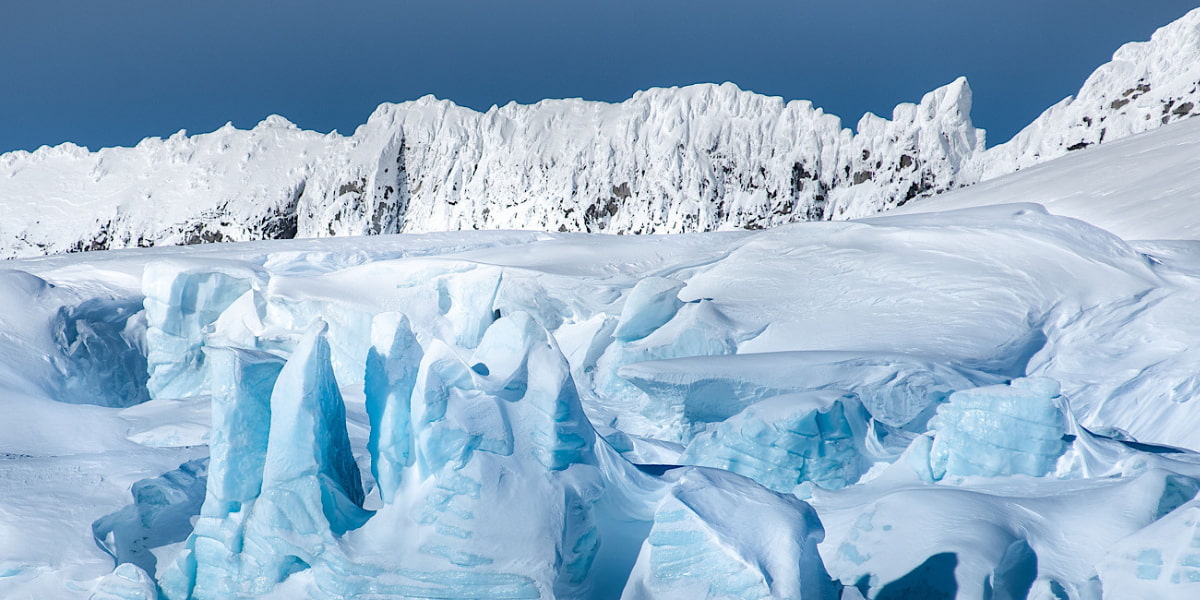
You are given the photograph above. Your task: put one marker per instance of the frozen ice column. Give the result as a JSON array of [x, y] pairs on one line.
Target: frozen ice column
[[391, 373], [283, 483]]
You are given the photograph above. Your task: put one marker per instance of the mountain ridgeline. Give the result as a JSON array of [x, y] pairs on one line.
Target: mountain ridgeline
[[697, 158]]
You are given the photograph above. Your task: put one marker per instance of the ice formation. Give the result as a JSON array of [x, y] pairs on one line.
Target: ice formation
[[182, 299], [999, 430], [553, 415], [788, 440], [993, 402], [282, 487], [699, 546]]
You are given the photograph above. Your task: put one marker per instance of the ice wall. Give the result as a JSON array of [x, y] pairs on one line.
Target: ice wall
[[700, 547], [787, 440], [999, 430], [182, 298], [284, 483]]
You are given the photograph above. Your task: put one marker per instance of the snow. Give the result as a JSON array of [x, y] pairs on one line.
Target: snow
[[967, 398], [1152, 196]]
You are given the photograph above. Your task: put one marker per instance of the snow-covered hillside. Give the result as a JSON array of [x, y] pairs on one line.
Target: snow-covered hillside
[[1147, 85], [699, 158], [667, 160], [1143, 187]]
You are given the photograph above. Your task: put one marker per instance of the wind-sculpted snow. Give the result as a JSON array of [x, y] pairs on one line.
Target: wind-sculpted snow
[[820, 410]]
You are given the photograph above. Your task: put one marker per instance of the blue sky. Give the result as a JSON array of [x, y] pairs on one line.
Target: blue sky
[[111, 73]]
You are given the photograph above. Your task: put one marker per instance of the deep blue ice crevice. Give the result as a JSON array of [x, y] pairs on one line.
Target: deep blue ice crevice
[[103, 358]]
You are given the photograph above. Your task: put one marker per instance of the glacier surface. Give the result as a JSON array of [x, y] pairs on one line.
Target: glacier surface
[[980, 403], [962, 399]]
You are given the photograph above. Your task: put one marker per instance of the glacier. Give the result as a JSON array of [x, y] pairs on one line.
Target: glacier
[[974, 403], [963, 398]]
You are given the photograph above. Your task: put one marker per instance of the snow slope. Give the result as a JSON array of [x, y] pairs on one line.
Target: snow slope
[[1144, 187], [1147, 84], [698, 158]]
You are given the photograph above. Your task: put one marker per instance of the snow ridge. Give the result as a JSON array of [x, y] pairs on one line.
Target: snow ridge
[[702, 157], [1147, 85]]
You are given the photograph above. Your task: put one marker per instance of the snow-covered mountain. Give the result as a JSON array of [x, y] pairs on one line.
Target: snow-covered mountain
[[667, 160], [703, 157], [1147, 85]]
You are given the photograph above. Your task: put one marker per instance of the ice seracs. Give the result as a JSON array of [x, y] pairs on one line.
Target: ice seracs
[[699, 546], [283, 488], [788, 440]]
